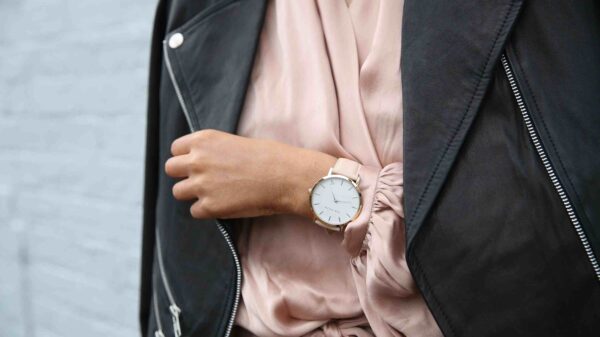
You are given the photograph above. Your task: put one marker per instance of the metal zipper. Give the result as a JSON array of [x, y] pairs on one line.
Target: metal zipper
[[174, 81], [238, 278], [548, 166], [159, 331], [238, 266], [173, 308]]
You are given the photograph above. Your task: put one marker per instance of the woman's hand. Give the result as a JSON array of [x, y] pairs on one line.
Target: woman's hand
[[234, 176]]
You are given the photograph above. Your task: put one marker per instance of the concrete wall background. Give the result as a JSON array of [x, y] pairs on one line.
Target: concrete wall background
[[72, 116]]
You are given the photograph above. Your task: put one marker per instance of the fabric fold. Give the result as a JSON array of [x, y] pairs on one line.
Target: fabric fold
[[382, 191], [326, 77]]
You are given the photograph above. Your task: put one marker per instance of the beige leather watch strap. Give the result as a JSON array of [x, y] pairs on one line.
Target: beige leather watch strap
[[346, 167]]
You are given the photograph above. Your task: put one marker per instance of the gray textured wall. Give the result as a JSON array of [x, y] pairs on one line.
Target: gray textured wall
[[72, 115]]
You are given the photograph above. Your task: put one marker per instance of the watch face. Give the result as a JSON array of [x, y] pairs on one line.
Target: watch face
[[335, 200]]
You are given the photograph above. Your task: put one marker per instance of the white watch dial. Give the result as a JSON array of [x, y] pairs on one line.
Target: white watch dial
[[335, 200]]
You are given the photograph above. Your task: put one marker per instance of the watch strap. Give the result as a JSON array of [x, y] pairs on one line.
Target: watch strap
[[340, 228], [346, 167]]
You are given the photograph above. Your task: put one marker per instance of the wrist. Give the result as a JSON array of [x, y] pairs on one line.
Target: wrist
[[306, 169]]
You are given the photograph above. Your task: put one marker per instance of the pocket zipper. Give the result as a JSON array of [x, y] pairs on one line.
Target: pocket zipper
[[173, 308], [548, 165], [238, 267]]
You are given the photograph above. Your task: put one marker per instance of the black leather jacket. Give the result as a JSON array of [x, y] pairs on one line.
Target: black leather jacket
[[502, 164]]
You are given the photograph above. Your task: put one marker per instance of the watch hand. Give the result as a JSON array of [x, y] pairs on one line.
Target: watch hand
[[334, 197]]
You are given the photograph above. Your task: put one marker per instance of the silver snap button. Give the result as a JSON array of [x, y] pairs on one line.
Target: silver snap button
[[176, 40]]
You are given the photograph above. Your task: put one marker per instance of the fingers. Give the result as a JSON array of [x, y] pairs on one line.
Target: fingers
[[200, 211], [184, 190], [182, 145], [178, 167]]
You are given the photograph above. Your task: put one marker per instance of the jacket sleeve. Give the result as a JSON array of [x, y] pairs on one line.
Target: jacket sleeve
[[376, 242]]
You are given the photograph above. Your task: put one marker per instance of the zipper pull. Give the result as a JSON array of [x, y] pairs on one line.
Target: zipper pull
[[175, 311], [158, 333]]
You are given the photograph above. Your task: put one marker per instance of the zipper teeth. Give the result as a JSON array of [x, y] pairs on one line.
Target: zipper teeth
[[157, 316], [238, 280], [238, 267], [549, 169]]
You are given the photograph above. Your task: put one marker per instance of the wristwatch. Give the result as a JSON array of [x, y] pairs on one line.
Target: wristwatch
[[335, 199]]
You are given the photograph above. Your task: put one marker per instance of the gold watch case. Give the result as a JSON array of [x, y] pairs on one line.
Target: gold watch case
[[335, 227]]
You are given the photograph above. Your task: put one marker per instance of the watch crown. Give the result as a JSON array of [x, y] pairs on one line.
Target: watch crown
[[310, 190]]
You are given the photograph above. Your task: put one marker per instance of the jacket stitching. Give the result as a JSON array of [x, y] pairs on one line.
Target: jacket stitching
[[459, 125], [189, 98], [435, 302]]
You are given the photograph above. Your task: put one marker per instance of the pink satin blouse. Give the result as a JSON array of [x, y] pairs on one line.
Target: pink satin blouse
[[327, 77]]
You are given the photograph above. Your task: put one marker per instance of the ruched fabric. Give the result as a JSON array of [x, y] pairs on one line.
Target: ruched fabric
[[327, 77]]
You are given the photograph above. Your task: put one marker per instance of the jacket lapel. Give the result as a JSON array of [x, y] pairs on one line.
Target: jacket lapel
[[210, 58], [449, 50]]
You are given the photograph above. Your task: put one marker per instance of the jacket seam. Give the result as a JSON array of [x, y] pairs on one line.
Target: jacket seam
[[461, 121], [434, 297], [436, 302], [191, 101]]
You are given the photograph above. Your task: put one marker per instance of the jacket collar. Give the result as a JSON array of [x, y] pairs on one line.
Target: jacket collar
[[211, 61], [449, 50]]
